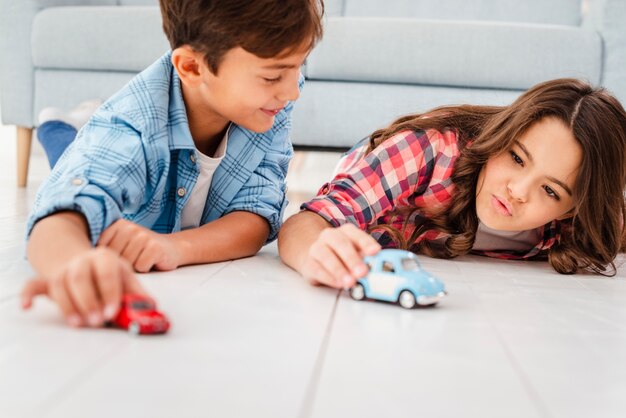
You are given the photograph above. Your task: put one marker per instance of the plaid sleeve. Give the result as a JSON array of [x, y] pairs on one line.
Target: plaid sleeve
[[368, 188]]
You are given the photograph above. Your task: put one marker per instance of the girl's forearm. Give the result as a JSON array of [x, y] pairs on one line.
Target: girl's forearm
[[296, 237]]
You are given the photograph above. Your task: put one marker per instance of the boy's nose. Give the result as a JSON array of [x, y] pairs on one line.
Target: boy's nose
[[289, 92]]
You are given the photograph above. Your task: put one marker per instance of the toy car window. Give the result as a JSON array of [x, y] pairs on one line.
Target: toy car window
[[388, 267], [142, 306], [410, 264]]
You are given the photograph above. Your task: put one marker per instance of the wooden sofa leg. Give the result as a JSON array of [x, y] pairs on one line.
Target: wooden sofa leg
[[24, 139]]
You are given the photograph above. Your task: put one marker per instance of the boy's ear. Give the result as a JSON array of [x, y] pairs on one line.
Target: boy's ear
[[188, 65]]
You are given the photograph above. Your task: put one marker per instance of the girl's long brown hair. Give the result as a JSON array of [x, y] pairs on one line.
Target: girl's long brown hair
[[597, 121]]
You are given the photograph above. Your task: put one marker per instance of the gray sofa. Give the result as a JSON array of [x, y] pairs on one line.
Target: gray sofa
[[379, 58]]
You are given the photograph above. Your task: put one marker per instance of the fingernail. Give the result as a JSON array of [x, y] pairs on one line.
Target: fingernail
[[74, 320], [94, 319], [109, 312]]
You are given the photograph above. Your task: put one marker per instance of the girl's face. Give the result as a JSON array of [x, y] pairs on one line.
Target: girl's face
[[532, 183]]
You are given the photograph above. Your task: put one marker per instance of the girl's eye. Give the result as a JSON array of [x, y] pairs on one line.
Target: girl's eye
[[517, 158], [551, 192], [272, 80]]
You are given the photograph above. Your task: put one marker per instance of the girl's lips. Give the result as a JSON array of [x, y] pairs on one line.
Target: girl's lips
[[271, 112], [501, 206]]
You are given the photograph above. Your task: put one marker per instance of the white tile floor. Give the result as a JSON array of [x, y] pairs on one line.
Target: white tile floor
[[250, 338]]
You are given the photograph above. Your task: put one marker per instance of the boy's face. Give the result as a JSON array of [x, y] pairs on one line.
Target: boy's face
[[249, 90], [532, 183]]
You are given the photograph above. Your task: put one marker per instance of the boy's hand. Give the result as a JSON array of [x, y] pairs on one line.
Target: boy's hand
[[89, 289], [336, 257], [144, 249]]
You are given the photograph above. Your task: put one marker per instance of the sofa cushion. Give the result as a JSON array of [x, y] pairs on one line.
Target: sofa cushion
[[470, 54], [98, 38], [563, 12]]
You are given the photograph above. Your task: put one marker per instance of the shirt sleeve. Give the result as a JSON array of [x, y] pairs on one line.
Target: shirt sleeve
[[369, 187], [264, 191], [100, 175]]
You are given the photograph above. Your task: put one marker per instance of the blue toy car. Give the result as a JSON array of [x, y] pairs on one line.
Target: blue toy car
[[396, 276]]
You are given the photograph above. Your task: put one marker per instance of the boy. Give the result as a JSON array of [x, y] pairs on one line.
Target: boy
[[132, 191]]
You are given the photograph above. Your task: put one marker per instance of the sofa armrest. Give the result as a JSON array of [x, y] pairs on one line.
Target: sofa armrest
[[16, 67], [608, 17]]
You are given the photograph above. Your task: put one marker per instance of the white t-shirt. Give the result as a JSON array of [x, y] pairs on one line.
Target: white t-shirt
[[192, 212]]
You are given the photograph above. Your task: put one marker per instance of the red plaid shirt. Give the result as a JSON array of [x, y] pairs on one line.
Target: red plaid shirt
[[408, 169]]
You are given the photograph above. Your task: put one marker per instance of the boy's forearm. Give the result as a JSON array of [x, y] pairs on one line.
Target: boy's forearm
[[55, 240], [297, 235], [235, 235]]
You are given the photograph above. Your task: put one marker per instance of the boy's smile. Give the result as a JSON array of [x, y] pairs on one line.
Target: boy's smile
[[247, 90], [531, 184]]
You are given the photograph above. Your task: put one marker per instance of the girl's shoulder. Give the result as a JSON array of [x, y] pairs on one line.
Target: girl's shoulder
[[404, 145]]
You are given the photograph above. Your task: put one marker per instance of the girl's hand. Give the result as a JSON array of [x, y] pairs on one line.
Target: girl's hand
[[89, 289], [336, 257], [144, 249]]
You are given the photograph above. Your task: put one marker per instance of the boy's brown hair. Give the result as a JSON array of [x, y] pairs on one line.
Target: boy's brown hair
[[265, 28]]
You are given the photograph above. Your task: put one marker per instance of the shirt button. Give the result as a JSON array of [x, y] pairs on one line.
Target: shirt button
[[181, 191], [77, 181], [192, 157]]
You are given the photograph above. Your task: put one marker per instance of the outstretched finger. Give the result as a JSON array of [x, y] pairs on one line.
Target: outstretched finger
[[32, 289]]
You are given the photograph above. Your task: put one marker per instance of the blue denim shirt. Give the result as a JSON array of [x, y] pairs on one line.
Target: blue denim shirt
[[134, 159]]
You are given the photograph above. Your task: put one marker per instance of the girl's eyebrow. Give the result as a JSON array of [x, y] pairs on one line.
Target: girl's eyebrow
[[552, 179], [523, 148]]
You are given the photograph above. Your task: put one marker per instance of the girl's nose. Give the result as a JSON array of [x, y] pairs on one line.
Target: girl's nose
[[518, 191]]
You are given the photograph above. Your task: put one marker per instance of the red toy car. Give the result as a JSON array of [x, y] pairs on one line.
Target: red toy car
[[138, 315]]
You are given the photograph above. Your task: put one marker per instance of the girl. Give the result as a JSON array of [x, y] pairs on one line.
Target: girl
[[541, 178]]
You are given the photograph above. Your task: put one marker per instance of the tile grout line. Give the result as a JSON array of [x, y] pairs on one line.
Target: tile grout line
[[203, 282], [311, 390]]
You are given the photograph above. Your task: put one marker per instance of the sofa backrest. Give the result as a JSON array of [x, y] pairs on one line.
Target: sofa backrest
[[560, 12], [453, 53]]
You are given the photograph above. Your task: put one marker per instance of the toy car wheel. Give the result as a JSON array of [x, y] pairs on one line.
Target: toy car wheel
[[357, 292], [134, 328], [407, 299]]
